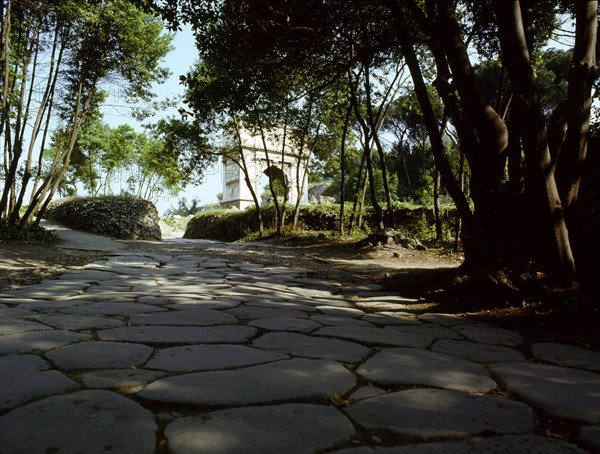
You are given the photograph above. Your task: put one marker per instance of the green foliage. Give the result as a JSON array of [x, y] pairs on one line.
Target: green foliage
[[115, 216], [231, 225], [25, 234]]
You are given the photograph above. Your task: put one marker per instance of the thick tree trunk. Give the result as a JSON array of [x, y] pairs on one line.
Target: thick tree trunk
[[540, 177]]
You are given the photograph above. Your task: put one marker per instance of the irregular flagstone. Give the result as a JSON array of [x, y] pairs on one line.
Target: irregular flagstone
[[378, 336], [514, 444], [124, 381], [7, 312], [392, 318], [192, 358], [590, 437], [562, 392], [336, 320], [290, 428], [411, 366], [488, 334], [278, 381], [181, 304], [157, 334], [78, 322], [50, 290], [39, 340], [186, 317], [26, 377], [437, 331], [256, 312], [112, 308], [286, 324], [92, 421], [50, 307], [10, 326], [345, 311], [98, 355], [481, 353], [87, 275], [314, 291], [365, 392], [567, 355], [445, 319], [292, 305], [297, 344], [427, 413]]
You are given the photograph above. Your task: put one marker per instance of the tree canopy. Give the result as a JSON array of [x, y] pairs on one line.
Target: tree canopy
[[519, 115]]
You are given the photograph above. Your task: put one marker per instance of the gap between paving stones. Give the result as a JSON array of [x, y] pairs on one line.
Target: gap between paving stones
[[208, 354]]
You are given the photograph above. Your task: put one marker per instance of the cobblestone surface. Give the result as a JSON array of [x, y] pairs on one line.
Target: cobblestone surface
[[207, 353]]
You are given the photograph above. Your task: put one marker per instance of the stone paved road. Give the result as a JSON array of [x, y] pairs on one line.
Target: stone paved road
[[184, 353]]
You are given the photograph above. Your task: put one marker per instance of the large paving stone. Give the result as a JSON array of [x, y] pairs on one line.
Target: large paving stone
[[411, 366], [100, 355], [514, 444], [290, 428], [378, 336], [10, 326], [488, 334], [278, 381], [192, 358], [91, 422], [50, 290], [26, 377], [481, 353], [562, 392], [113, 308], [567, 355], [38, 340], [79, 322], [189, 317], [286, 324], [297, 344], [590, 437], [256, 312], [125, 381], [427, 413], [158, 335]]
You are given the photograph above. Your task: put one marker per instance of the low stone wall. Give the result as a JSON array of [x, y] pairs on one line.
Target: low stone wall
[[126, 218]]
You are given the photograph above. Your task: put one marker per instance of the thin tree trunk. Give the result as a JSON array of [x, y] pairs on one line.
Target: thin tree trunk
[[343, 168], [582, 75], [469, 238], [244, 167]]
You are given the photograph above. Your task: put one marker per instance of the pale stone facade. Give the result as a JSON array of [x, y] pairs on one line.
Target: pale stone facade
[[237, 194]]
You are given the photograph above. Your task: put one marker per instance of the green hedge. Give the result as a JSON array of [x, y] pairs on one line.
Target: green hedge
[[115, 216], [232, 225]]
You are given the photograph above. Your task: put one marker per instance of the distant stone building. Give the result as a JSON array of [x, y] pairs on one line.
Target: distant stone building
[[236, 193]]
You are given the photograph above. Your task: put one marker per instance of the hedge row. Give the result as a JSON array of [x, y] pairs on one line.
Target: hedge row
[[232, 225]]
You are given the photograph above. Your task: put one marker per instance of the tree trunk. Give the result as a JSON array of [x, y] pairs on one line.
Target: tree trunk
[[540, 178], [582, 74], [437, 210], [469, 237]]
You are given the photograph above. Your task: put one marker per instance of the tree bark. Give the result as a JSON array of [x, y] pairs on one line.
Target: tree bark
[[540, 180], [582, 75]]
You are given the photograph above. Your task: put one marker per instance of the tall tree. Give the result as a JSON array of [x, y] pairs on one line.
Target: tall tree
[[58, 59], [524, 167]]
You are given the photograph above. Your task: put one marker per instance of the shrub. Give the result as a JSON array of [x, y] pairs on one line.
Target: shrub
[[231, 225], [122, 217]]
